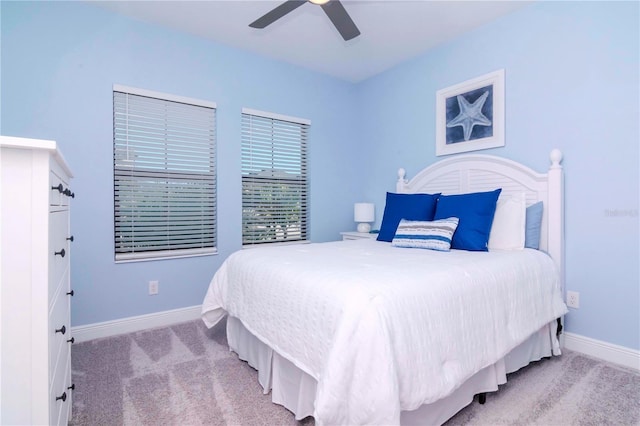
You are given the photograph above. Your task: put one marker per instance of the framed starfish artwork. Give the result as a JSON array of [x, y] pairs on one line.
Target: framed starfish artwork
[[470, 115]]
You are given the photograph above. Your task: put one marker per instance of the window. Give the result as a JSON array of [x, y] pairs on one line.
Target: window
[[164, 169], [275, 185]]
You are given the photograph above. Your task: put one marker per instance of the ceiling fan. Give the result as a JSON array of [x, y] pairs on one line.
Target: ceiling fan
[[333, 8]]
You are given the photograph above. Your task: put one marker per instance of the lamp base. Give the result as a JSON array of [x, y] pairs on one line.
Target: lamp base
[[364, 227]]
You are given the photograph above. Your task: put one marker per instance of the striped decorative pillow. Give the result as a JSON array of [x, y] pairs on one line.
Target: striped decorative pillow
[[434, 235]]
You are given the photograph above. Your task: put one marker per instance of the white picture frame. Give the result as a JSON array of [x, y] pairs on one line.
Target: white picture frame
[[470, 115]]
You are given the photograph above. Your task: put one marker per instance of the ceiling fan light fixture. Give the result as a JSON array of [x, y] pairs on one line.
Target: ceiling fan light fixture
[[332, 8]]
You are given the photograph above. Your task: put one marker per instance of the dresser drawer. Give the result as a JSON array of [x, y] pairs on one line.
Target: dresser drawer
[[58, 234], [57, 186], [59, 412], [59, 190], [59, 317]]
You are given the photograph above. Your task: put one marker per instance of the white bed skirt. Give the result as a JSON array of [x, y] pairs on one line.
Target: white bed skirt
[[296, 390]]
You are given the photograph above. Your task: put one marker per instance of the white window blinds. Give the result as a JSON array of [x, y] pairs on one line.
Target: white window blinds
[[164, 168], [275, 184]]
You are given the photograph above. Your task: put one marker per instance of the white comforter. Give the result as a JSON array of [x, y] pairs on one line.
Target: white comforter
[[384, 329]]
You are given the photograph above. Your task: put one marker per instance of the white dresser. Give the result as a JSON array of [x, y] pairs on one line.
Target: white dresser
[[35, 338]]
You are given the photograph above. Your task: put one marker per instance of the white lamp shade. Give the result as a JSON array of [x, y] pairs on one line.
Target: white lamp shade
[[363, 212]]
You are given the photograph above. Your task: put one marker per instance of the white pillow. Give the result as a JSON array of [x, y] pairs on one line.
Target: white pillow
[[509, 223]]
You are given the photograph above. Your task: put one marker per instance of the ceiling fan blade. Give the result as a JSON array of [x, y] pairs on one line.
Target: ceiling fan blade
[[341, 19], [277, 13]]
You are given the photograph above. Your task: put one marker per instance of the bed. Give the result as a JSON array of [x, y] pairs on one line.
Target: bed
[[387, 332]]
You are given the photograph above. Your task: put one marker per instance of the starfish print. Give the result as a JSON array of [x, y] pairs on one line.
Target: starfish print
[[470, 115]]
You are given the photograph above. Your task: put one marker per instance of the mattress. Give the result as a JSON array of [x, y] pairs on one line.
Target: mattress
[[383, 329]]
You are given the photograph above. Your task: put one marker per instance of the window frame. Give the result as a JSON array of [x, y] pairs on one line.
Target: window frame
[[304, 128], [175, 177]]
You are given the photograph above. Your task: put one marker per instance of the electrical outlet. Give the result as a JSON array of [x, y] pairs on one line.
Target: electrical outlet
[[573, 299], [153, 288]]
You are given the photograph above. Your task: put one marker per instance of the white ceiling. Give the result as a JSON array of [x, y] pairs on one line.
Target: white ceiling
[[392, 31]]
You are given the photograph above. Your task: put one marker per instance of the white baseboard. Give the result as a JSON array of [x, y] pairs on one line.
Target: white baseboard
[[99, 330], [606, 351]]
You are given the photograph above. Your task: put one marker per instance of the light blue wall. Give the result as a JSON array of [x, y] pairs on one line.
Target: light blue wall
[[59, 63], [571, 83]]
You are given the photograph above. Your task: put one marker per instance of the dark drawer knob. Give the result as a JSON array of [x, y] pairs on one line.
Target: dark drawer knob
[[70, 238], [59, 188], [61, 253], [62, 330], [62, 397], [72, 387], [70, 293], [72, 340]]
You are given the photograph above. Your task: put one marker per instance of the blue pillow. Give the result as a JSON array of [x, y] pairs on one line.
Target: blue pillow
[[405, 206], [432, 235], [533, 225], [475, 211]]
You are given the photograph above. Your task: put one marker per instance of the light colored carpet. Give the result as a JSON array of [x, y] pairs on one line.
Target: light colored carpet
[[186, 375]]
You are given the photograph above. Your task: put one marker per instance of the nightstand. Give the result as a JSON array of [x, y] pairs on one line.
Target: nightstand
[[357, 235]]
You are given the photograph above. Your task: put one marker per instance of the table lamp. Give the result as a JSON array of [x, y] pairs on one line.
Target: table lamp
[[364, 213]]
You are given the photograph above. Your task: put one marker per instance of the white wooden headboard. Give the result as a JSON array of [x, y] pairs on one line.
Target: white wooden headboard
[[473, 173]]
